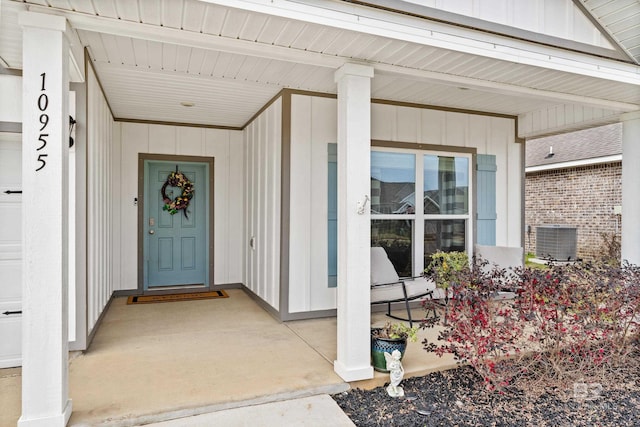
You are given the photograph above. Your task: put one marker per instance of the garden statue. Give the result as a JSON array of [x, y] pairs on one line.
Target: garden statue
[[396, 373]]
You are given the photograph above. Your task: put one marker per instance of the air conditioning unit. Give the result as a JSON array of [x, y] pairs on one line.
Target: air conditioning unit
[[557, 242]]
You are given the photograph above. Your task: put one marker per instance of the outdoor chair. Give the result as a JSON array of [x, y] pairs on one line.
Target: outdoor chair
[[387, 287], [509, 258]]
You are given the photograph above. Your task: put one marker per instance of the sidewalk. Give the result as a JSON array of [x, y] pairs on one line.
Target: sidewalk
[[314, 411]]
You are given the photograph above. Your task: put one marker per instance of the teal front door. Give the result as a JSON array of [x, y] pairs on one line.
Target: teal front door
[[176, 245]]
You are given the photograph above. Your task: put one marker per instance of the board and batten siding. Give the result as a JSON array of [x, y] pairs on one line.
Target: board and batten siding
[[225, 146], [313, 126], [262, 163], [100, 209]]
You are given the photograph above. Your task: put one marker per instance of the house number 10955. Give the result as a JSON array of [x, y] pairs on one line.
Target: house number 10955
[[43, 104]]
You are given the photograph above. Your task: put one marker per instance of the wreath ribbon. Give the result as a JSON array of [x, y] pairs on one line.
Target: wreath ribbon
[[177, 179]]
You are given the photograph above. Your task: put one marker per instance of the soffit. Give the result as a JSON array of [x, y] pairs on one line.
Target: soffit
[[147, 78], [621, 19]]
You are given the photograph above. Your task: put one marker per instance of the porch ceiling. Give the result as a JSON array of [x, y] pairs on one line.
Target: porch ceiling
[[151, 55]]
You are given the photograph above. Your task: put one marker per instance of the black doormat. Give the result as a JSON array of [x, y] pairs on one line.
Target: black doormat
[[148, 299]]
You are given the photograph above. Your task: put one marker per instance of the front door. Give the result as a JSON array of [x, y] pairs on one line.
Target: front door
[[176, 237]]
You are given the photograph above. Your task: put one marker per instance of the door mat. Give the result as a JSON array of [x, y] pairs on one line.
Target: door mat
[[148, 299]]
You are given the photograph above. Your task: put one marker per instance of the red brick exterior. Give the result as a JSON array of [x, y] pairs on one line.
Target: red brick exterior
[[582, 196]]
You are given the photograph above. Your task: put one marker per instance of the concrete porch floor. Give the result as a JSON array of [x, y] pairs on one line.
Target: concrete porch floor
[[155, 362]]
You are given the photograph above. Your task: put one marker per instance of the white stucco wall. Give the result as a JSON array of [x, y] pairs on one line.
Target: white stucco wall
[[314, 125], [225, 146]]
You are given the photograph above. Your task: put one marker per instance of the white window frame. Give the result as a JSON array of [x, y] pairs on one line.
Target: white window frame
[[419, 217]]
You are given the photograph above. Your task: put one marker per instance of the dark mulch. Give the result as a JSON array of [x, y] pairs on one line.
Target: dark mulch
[[459, 398]]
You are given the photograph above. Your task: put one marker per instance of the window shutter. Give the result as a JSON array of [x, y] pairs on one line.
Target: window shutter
[[486, 219], [332, 214]]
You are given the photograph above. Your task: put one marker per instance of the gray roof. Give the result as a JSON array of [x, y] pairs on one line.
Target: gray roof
[[581, 145]]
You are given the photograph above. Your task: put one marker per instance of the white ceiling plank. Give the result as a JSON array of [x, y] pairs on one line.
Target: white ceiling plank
[[183, 57], [306, 36], [60, 4], [271, 30], [111, 48], [326, 37], [106, 8], [83, 6], [150, 11], [171, 12], [221, 64], [194, 14], [338, 44], [169, 56], [465, 40], [252, 27], [154, 52], [233, 23], [195, 61], [250, 67], [233, 68], [506, 89], [94, 43], [209, 62], [141, 53], [200, 40], [289, 33], [128, 10], [125, 49], [155, 95], [356, 45], [213, 20]]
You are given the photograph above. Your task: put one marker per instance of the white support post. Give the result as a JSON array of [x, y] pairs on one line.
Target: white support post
[[630, 180], [354, 222], [45, 202]]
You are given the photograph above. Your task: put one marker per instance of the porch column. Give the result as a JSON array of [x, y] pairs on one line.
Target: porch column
[[354, 226], [45, 150], [630, 180]]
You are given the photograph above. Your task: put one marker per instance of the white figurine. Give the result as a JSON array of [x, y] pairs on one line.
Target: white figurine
[[396, 373]]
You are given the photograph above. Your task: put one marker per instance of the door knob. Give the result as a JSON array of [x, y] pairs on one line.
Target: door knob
[[151, 232]]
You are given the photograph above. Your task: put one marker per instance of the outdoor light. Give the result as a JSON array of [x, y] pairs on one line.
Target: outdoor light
[[72, 123]]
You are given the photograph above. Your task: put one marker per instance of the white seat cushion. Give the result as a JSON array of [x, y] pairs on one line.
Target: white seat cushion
[[382, 270], [415, 287]]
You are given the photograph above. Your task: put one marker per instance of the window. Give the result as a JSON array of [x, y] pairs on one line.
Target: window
[[410, 232]]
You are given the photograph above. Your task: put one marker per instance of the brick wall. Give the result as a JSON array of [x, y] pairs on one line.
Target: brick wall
[[583, 197]]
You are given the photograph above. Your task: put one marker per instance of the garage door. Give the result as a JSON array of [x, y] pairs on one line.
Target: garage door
[[10, 250]]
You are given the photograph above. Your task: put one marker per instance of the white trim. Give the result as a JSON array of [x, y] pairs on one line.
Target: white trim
[[504, 88], [372, 21], [419, 217], [575, 163], [403, 28]]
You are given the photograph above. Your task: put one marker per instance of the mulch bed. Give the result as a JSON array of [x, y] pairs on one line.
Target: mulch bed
[[459, 398]]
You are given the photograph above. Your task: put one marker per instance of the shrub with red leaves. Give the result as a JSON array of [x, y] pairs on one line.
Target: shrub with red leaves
[[565, 323]]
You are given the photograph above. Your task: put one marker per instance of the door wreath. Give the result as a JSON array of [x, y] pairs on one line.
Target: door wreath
[[177, 179]]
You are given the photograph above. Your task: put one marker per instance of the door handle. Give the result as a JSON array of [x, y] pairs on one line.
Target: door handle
[[151, 232]]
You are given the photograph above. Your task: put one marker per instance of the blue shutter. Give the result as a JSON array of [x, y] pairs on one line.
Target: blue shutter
[[332, 213], [486, 221]]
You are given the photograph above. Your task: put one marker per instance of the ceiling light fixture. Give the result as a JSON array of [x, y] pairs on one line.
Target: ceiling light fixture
[[187, 104]]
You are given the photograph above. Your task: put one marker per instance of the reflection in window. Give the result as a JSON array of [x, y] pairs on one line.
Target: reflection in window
[[444, 235], [446, 185], [392, 183], [395, 237]]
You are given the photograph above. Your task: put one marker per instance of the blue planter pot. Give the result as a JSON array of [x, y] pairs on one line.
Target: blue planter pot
[[380, 346]]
